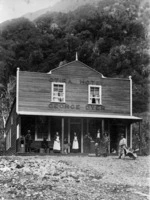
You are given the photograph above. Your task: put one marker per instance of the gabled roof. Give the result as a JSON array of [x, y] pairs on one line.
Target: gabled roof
[[76, 62]]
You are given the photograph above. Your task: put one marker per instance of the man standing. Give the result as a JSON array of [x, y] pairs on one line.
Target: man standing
[[122, 144], [28, 141]]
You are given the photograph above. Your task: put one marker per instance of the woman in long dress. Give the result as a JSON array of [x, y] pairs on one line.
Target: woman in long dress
[[56, 145], [75, 145]]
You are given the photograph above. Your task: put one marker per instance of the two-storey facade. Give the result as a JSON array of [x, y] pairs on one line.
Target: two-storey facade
[[71, 98]]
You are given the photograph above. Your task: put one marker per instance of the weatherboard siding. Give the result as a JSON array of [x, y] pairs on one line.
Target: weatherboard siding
[[12, 125], [35, 91]]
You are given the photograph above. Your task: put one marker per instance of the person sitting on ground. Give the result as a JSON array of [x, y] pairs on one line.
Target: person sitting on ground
[[122, 144], [44, 144]]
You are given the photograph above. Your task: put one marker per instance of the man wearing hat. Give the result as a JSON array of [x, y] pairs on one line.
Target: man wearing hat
[[122, 144]]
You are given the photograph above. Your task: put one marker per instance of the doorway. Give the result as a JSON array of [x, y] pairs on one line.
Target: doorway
[[75, 127]]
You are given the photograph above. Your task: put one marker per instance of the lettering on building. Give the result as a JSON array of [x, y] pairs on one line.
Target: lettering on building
[[59, 106], [81, 82]]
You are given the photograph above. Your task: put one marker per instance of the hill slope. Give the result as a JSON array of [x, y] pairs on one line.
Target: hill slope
[[61, 6]]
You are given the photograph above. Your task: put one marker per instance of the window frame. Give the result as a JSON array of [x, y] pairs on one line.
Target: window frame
[[64, 92], [100, 94], [36, 131]]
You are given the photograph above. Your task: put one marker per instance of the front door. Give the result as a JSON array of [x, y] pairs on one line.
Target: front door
[[75, 127]]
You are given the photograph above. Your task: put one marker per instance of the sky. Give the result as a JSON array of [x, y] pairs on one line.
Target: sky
[[10, 9]]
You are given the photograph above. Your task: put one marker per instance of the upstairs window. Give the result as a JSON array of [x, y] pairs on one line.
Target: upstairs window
[[58, 92], [95, 94]]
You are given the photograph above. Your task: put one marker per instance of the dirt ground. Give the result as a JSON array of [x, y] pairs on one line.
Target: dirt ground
[[74, 177]]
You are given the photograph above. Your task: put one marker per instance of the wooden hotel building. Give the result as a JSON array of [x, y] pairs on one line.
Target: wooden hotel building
[[70, 98]]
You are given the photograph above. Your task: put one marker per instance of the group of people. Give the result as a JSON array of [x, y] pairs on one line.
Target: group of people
[[102, 144], [56, 144]]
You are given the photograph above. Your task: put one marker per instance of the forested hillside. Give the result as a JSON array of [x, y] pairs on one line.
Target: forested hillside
[[111, 38], [64, 6]]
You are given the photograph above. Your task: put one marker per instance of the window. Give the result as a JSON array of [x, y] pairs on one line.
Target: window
[[8, 140], [58, 92], [42, 128], [95, 94]]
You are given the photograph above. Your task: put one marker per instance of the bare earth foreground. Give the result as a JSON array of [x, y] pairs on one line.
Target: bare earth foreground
[[73, 177]]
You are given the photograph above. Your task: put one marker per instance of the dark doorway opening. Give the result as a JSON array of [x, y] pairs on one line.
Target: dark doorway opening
[[75, 127]]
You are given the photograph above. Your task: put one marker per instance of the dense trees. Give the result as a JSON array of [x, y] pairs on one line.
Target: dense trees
[[111, 38]]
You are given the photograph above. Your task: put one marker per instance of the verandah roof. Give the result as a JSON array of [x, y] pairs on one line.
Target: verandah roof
[[104, 116]]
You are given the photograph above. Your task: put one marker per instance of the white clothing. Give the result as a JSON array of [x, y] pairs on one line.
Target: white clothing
[[75, 144], [98, 135], [56, 145], [123, 142]]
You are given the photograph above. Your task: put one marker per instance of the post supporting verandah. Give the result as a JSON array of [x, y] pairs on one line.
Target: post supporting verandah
[[126, 133], [69, 134], [82, 135], [62, 135], [140, 137], [18, 134], [130, 135], [18, 127]]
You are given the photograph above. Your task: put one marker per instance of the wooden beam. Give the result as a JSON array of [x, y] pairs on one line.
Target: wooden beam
[[87, 126], [126, 133], [69, 134], [140, 137], [18, 133], [109, 136], [17, 92], [62, 135], [36, 128], [130, 135], [130, 78], [18, 127], [82, 135], [49, 128], [102, 128]]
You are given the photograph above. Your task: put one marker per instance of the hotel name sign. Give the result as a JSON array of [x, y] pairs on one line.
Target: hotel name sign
[[89, 107], [81, 82]]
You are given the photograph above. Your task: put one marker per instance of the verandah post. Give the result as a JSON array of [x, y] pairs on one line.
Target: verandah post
[[81, 135], [126, 133], [140, 137], [69, 134], [103, 127], [62, 138], [130, 135]]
